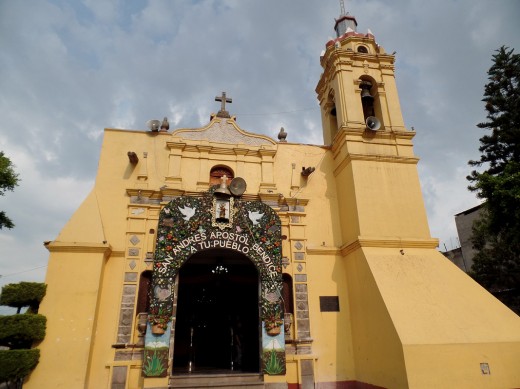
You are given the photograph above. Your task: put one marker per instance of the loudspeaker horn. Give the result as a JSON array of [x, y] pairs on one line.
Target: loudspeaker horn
[[237, 186], [153, 125], [373, 123]]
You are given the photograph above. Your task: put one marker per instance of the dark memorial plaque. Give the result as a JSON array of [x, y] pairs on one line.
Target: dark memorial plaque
[[329, 303]]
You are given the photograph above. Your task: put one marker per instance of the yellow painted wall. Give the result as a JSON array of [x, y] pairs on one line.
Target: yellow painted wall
[[378, 353], [331, 331], [401, 316], [70, 306], [407, 318]]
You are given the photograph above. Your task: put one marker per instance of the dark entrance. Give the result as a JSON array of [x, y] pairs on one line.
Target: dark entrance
[[217, 325]]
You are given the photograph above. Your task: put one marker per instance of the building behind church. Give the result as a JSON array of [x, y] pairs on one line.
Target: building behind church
[[213, 256], [462, 256]]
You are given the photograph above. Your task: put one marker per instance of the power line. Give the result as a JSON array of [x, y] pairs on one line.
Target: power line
[[22, 271], [276, 113]]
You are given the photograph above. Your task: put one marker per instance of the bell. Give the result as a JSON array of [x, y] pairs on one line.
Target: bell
[[365, 91], [223, 190], [365, 95]]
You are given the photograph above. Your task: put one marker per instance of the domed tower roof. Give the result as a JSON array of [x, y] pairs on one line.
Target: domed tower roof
[[344, 22]]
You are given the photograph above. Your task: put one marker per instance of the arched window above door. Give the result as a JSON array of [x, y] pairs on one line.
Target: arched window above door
[[217, 172]]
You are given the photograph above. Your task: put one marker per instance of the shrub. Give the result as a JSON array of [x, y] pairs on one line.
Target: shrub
[[15, 365], [23, 294], [20, 331]]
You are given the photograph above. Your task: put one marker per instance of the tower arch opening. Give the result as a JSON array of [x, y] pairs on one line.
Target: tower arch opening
[[370, 101], [331, 114]]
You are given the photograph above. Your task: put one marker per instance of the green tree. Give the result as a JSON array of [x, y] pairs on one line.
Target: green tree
[[19, 332], [8, 181], [496, 235], [23, 294]]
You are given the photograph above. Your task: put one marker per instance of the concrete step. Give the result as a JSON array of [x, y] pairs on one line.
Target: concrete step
[[220, 381]]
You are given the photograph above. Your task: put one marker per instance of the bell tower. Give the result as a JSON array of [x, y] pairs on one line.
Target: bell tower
[[357, 83], [416, 321], [379, 194]]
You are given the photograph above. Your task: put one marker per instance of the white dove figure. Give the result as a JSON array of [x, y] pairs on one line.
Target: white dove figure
[[255, 217], [187, 212]]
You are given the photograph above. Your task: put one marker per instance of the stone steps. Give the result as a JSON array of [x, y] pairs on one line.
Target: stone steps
[[220, 381]]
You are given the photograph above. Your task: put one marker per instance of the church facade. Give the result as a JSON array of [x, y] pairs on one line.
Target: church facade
[[215, 256]]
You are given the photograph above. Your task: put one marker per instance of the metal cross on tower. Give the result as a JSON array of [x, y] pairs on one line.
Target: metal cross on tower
[[342, 6], [223, 100]]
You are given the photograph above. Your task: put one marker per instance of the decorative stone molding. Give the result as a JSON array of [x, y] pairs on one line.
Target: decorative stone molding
[[79, 247], [348, 248]]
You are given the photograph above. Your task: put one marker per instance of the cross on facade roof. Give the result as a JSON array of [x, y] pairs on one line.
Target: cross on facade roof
[[223, 100]]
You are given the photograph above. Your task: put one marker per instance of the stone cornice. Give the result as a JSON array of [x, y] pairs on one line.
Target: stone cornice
[[265, 152], [356, 132], [348, 248], [323, 250], [269, 197], [228, 149], [79, 247], [146, 132], [376, 158], [296, 201], [361, 242], [174, 145]]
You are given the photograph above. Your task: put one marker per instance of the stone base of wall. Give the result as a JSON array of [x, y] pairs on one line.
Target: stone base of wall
[[337, 385]]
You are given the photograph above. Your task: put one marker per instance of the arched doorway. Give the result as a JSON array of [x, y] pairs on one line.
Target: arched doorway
[[217, 319], [189, 233]]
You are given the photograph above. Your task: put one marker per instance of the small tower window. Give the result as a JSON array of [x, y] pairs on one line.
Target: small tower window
[[362, 49], [217, 172]]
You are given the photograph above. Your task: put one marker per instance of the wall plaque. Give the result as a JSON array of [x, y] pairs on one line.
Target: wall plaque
[[329, 303]]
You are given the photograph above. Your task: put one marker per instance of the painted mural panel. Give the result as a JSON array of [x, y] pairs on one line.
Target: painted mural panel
[[188, 225]]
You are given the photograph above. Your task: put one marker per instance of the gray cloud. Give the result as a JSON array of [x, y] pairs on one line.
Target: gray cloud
[[70, 69]]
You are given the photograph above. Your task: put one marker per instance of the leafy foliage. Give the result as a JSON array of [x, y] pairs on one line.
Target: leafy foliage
[[273, 364], [20, 331], [502, 98], [15, 365], [154, 366], [23, 294], [8, 181], [496, 235]]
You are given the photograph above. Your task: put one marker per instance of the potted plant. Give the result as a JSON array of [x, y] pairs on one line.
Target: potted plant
[[158, 320], [272, 317]]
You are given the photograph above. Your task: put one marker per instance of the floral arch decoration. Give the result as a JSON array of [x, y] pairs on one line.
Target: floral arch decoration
[[187, 226]]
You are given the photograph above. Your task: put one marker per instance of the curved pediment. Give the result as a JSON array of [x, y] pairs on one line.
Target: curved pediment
[[224, 131]]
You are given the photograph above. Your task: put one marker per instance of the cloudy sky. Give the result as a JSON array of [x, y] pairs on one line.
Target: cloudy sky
[[69, 69]]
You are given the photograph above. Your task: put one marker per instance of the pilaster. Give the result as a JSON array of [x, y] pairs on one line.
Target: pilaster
[[204, 150], [174, 178], [142, 176], [267, 184]]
